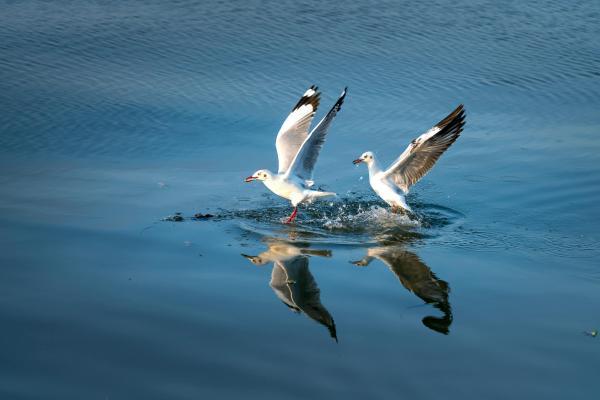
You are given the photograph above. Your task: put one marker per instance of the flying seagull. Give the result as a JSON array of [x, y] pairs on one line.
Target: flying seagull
[[421, 154], [298, 151]]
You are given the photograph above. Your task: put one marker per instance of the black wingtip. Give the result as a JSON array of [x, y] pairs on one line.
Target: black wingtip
[[338, 104], [457, 115], [313, 98], [452, 126]]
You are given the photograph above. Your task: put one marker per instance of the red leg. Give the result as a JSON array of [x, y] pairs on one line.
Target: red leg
[[293, 216]]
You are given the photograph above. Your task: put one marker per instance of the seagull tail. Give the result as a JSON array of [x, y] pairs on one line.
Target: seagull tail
[[313, 194]]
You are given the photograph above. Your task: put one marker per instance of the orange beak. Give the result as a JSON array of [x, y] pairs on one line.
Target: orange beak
[[250, 179], [357, 161]]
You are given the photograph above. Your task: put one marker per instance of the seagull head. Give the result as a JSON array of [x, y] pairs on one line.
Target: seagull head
[[261, 175], [367, 157]]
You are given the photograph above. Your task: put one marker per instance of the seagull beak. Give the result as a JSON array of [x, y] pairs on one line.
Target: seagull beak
[[357, 161], [250, 178]]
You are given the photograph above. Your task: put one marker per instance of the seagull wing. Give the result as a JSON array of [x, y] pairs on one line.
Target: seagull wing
[[294, 130], [422, 153], [304, 162]]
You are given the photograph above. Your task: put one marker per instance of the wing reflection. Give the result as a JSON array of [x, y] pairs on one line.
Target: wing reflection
[[416, 277], [292, 281]]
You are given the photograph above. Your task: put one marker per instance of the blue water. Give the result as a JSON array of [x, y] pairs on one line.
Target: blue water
[[116, 116]]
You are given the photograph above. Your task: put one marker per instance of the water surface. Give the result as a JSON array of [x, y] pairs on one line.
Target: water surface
[[117, 115]]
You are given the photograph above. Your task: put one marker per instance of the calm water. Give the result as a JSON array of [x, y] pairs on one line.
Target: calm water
[[116, 115]]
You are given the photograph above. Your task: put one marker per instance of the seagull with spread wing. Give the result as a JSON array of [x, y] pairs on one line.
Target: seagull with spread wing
[[418, 158], [298, 150]]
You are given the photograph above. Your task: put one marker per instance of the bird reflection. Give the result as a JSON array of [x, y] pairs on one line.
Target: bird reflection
[[292, 281], [416, 277]]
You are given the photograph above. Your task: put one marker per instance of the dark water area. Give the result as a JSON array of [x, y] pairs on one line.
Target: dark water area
[[116, 116]]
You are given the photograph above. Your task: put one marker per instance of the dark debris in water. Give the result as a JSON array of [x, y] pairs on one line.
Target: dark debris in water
[[177, 217], [202, 216]]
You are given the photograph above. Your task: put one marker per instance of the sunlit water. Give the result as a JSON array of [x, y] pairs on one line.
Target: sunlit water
[[116, 116]]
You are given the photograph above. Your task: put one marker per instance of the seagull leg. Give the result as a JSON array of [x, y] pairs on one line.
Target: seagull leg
[[293, 216], [399, 210]]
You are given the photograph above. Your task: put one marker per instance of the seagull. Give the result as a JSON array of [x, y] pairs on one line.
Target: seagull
[[298, 150], [418, 158]]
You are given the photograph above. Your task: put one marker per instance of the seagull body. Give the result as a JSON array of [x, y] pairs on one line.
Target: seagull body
[[385, 187], [292, 188], [421, 154], [298, 150]]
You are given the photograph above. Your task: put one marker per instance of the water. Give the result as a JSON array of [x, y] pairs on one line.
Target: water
[[117, 115]]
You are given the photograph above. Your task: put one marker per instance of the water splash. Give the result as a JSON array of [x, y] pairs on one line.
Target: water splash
[[347, 221]]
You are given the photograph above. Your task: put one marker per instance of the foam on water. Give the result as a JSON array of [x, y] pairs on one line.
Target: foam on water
[[373, 215]]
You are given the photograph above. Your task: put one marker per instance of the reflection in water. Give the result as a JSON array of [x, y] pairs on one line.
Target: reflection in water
[[292, 281], [417, 278]]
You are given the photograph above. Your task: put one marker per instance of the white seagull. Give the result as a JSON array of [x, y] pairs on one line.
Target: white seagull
[[298, 151], [418, 158]]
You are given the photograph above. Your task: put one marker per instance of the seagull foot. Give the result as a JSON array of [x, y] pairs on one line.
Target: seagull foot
[[293, 216], [400, 210]]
